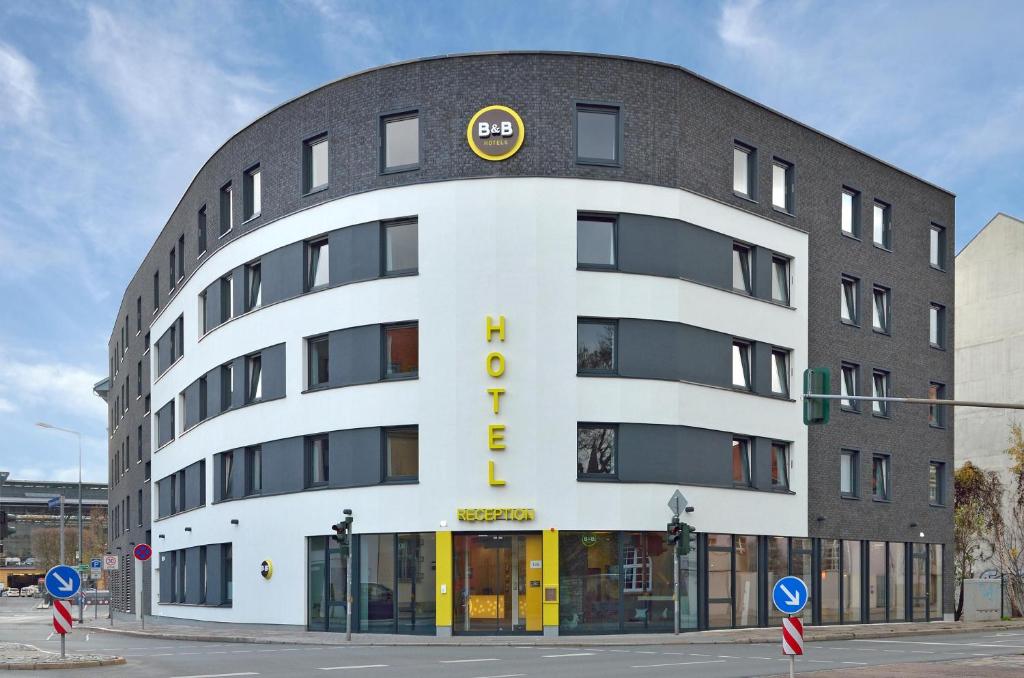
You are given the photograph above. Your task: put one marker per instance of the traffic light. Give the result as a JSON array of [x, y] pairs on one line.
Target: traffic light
[[685, 539], [817, 380], [6, 528], [673, 531], [343, 532]]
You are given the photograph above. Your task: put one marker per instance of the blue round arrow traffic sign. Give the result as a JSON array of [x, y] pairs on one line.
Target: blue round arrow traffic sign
[[62, 581], [789, 595]]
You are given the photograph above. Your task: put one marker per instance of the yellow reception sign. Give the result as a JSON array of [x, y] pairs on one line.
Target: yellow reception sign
[[492, 514]]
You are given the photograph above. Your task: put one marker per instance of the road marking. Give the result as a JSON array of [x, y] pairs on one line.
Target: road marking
[[644, 652], [698, 654], [655, 666], [726, 656], [571, 654], [504, 675], [220, 675], [855, 663], [346, 668], [467, 661], [921, 652], [923, 642], [818, 661]]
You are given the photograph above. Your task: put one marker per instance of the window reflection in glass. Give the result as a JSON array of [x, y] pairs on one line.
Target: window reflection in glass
[[401, 247], [595, 451], [319, 361], [741, 268], [741, 364], [595, 346], [403, 454], [597, 134], [595, 242], [401, 142]]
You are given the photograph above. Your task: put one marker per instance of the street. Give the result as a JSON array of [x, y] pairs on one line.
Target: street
[[160, 658]]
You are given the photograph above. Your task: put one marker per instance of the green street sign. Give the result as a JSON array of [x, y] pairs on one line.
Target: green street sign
[[817, 380]]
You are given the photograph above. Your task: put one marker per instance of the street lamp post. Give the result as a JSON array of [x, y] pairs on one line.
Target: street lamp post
[[78, 435]]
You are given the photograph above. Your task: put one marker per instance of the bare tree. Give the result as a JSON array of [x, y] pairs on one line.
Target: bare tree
[[976, 521], [1009, 541]]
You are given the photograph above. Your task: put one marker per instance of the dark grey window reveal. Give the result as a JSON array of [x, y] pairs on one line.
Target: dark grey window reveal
[[848, 472], [850, 212], [201, 231], [937, 413], [145, 342], [156, 291], [937, 326], [138, 379], [317, 459], [204, 405], [881, 482], [147, 405], [849, 384], [138, 315], [401, 247], [318, 355], [227, 386], [881, 219], [780, 372], [314, 163], [596, 451], [227, 287], [138, 444], [254, 378], [203, 324], [253, 469], [881, 308], [780, 280], [317, 264], [741, 365], [598, 134], [402, 454], [172, 266], [227, 467], [937, 483], [782, 185], [741, 273], [880, 388], [253, 286], [595, 242], [181, 256], [227, 213], [139, 510], [744, 170], [252, 193], [780, 466], [400, 142], [849, 309], [937, 247], [741, 463], [596, 346], [401, 351]]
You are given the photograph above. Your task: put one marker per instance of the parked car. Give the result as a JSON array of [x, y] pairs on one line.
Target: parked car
[[12, 592], [29, 591]]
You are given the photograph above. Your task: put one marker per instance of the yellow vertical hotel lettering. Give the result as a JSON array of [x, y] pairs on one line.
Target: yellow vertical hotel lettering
[[495, 363], [492, 328]]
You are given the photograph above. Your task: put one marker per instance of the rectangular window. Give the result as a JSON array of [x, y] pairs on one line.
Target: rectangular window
[[139, 505], [880, 389], [780, 466], [227, 386], [880, 481], [317, 352], [227, 210], [203, 329], [744, 170], [204, 405], [882, 221], [780, 280], [138, 444], [400, 149], [597, 134], [156, 292], [741, 365], [253, 469], [849, 308], [227, 463], [741, 474], [145, 343], [401, 247], [253, 286], [741, 278], [937, 326], [252, 188], [880, 309], [317, 264], [780, 372], [172, 265], [595, 346], [227, 293], [596, 451], [138, 379], [138, 315], [595, 242], [782, 185], [936, 413], [201, 231], [181, 256], [937, 246], [254, 378], [314, 163], [848, 473], [402, 454], [146, 405], [317, 460], [401, 351], [225, 569], [936, 483], [851, 212], [849, 385]]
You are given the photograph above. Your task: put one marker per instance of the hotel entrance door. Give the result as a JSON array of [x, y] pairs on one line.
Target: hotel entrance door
[[497, 583]]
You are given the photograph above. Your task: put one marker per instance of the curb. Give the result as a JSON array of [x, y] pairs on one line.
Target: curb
[[70, 664]]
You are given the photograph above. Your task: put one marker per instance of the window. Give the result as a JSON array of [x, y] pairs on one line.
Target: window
[[253, 286], [595, 242], [741, 365], [139, 509], [882, 221], [227, 463], [401, 351], [880, 484], [937, 326], [138, 315], [597, 134], [203, 329], [848, 472], [228, 576], [849, 310], [744, 170], [314, 163], [227, 386], [780, 280], [401, 142], [780, 372], [402, 454], [741, 268], [782, 185], [937, 246], [936, 483], [880, 308], [201, 231], [936, 413], [401, 247], [138, 444], [317, 352], [741, 462], [254, 378], [227, 210], [172, 266], [146, 405], [880, 389], [204, 405], [596, 451], [145, 343], [317, 460], [851, 212], [253, 469], [849, 385], [181, 256], [156, 291], [317, 264], [595, 346], [138, 379], [227, 293], [780, 466], [252, 189]]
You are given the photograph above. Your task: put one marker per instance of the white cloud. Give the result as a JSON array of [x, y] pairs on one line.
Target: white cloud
[[19, 91], [49, 387], [7, 406], [737, 26]]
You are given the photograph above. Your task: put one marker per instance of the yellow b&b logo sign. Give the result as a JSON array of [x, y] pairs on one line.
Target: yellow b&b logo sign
[[495, 132]]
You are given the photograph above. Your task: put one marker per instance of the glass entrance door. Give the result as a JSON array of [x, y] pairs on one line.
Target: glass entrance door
[[497, 583]]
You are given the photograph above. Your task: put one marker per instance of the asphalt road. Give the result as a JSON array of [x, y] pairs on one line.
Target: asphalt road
[[158, 658]]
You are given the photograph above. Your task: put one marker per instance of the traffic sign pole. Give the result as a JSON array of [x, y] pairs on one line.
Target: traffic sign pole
[[142, 553]]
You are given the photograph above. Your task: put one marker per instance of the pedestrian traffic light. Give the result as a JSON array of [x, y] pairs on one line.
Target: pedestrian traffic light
[[817, 381], [343, 532], [6, 528], [685, 539], [673, 530]]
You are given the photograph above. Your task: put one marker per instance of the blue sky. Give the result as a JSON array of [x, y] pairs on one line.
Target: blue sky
[[107, 110]]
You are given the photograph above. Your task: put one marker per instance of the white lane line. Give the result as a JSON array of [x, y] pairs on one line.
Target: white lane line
[[644, 652], [504, 675], [159, 654], [656, 666], [87, 637], [921, 652], [698, 654], [726, 656], [570, 654], [468, 661], [767, 659], [220, 675], [346, 668], [923, 642], [855, 663], [818, 661]]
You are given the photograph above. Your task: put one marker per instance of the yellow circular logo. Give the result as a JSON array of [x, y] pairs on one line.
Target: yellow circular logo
[[267, 569], [495, 132]]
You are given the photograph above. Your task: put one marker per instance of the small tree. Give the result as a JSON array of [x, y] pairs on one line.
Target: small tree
[[976, 521], [1009, 551]]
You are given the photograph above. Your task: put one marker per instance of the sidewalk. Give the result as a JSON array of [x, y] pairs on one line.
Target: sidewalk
[[261, 633]]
